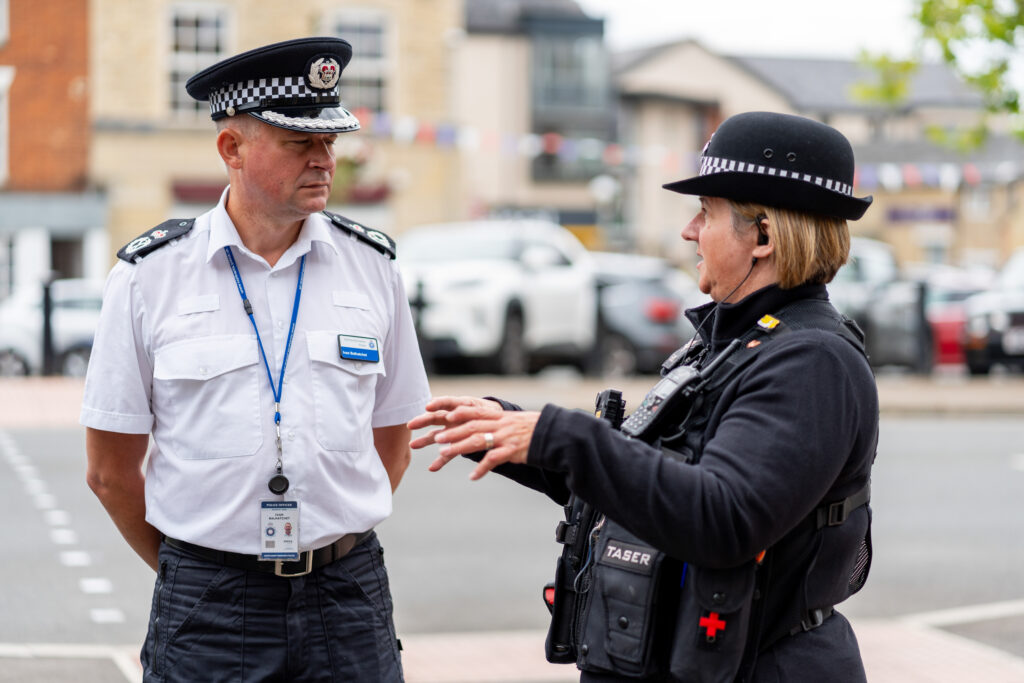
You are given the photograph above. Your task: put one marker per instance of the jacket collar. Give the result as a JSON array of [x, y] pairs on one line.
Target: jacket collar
[[719, 324]]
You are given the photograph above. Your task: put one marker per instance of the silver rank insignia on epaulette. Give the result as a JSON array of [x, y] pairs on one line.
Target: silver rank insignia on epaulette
[[375, 238], [153, 239]]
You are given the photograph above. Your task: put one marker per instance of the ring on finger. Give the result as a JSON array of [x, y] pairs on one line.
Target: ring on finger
[[488, 441]]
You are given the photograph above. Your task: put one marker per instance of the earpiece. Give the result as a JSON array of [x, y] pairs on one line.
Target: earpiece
[[762, 236]]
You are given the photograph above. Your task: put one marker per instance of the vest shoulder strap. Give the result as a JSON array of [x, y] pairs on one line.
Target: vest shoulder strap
[[798, 315]]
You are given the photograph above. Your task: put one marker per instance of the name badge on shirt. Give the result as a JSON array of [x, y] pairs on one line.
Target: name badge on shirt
[[279, 530], [359, 348]]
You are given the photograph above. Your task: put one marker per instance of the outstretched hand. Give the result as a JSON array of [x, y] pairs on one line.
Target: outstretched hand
[[469, 425]]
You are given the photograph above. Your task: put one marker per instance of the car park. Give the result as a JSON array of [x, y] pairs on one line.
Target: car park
[[75, 307], [641, 321], [994, 329], [888, 307], [507, 296]]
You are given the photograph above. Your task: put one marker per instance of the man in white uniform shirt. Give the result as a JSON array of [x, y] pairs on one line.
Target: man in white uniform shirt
[[269, 350]]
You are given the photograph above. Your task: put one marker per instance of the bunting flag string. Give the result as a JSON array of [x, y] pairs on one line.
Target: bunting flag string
[[869, 177]]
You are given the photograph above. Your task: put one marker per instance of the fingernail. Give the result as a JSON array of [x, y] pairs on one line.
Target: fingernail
[[446, 450]]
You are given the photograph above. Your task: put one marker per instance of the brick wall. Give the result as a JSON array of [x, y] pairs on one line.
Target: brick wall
[[48, 100]]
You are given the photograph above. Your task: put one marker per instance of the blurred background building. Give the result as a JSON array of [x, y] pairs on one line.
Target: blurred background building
[[470, 108], [52, 217]]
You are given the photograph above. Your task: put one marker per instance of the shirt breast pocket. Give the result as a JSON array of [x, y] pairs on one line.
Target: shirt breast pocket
[[343, 393], [209, 388]]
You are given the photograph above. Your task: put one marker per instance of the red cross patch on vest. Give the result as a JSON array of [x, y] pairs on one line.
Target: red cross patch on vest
[[712, 624]]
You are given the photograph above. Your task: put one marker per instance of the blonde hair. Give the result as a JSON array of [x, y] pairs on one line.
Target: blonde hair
[[809, 248]]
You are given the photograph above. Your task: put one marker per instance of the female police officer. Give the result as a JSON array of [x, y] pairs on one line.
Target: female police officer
[[734, 506]]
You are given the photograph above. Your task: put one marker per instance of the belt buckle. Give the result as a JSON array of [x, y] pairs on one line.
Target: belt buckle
[[309, 567]]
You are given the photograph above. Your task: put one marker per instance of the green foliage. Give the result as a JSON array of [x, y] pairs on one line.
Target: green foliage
[[892, 86], [983, 40]]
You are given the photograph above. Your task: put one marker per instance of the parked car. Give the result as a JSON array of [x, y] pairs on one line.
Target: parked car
[[76, 309], [995, 321], [945, 306], [509, 295], [641, 319], [888, 307]]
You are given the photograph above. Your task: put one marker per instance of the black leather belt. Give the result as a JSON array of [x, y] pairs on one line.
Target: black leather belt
[[307, 562]]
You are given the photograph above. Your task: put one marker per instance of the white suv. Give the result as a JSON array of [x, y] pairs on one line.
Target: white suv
[[513, 295], [76, 310]]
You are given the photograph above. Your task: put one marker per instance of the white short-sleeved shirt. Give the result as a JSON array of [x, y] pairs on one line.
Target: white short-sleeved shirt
[[175, 355]]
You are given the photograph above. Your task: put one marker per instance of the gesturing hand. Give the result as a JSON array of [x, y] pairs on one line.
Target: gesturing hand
[[473, 424]]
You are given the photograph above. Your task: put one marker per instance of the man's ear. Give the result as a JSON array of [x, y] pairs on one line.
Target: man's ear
[[229, 146]]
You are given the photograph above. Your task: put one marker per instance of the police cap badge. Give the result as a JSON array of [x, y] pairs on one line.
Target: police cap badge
[[292, 84]]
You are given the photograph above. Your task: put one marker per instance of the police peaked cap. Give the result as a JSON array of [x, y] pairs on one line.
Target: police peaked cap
[[293, 85], [779, 160]]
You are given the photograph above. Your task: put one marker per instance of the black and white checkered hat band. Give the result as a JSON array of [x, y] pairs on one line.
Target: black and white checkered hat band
[[712, 165], [268, 90]]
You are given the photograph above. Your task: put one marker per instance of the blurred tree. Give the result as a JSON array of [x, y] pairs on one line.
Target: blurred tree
[[982, 40]]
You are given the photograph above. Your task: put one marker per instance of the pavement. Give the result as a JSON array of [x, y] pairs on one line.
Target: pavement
[[908, 649]]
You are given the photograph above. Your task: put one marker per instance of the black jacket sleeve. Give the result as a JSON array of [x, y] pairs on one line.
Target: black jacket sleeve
[[785, 429]]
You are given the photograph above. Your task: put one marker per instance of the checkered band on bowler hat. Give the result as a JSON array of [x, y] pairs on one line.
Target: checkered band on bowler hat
[[292, 84], [779, 160]]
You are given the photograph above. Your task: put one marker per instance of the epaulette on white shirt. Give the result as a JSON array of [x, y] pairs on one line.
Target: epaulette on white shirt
[[168, 231], [154, 238], [375, 238]]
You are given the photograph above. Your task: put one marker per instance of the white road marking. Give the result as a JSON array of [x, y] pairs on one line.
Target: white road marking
[[24, 470], [75, 558], [107, 615], [63, 536], [96, 586], [126, 658], [45, 501], [57, 518], [967, 615]]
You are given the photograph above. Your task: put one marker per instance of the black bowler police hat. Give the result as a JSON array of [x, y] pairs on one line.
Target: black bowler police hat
[[779, 160], [293, 85]]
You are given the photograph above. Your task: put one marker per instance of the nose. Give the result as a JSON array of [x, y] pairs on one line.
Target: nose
[[323, 154], [691, 231]]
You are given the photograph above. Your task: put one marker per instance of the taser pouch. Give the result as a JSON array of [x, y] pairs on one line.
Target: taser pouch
[[712, 625], [622, 632]]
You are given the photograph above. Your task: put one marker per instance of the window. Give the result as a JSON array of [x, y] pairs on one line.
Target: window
[[364, 82], [571, 100], [198, 40], [6, 78], [570, 71]]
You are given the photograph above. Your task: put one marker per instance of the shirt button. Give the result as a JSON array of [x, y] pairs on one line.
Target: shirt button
[[203, 371], [291, 435]]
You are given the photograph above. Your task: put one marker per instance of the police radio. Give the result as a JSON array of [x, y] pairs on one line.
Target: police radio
[[676, 388]]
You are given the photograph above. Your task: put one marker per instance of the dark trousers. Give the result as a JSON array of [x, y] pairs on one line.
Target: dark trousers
[[211, 623]]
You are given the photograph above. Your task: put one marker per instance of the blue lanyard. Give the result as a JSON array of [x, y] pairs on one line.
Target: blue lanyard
[[288, 345]]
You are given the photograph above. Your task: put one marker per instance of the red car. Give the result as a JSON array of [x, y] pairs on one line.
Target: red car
[[944, 307]]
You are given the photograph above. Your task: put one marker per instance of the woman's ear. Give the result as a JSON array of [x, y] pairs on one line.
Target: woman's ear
[[764, 247]]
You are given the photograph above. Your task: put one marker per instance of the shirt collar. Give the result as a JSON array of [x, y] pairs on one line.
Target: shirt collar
[[224, 234]]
